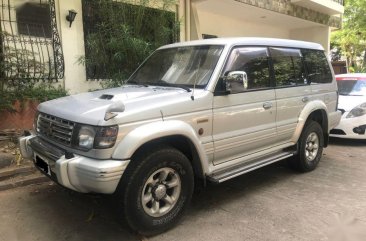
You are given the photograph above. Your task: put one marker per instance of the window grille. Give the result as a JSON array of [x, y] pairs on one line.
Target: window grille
[[30, 46]]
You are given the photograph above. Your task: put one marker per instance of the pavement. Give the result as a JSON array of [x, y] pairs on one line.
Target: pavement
[[273, 203]]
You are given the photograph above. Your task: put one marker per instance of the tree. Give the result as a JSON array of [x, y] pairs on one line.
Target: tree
[[350, 40]]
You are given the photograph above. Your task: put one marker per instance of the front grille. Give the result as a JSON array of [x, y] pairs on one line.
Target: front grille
[[55, 128]]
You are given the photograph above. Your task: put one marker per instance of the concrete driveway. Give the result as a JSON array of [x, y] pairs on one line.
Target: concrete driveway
[[273, 203]]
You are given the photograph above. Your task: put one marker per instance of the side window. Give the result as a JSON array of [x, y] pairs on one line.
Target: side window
[[288, 67], [252, 63], [317, 66]]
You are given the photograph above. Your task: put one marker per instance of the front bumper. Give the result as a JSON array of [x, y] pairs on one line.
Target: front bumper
[[350, 128], [73, 171]]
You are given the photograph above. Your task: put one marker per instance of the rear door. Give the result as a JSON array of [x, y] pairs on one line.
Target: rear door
[[292, 89]]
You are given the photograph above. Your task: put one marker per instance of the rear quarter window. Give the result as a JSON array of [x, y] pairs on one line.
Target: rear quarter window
[[317, 66]]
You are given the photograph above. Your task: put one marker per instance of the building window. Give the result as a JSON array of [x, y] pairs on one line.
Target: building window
[[34, 19], [30, 47], [119, 36]]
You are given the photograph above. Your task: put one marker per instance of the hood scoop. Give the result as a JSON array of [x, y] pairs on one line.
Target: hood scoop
[[113, 110], [106, 97]]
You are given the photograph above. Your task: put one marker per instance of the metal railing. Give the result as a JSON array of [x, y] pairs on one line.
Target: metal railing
[[29, 50]]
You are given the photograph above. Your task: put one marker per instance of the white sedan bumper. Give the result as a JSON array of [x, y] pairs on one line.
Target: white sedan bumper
[[351, 128]]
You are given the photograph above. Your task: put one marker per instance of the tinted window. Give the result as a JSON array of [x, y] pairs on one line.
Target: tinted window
[[252, 61], [317, 66], [288, 67]]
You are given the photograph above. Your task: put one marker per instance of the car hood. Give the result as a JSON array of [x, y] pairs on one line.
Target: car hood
[[348, 102], [138, 102]]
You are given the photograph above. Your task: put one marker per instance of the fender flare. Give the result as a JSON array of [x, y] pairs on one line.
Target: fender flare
[[141, 135], [304, 115]]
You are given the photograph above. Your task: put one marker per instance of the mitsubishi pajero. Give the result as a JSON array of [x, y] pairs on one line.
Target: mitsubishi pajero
[[193, 112]]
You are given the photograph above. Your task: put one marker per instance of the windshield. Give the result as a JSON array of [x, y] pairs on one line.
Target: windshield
[[181, 66], [352, 87]]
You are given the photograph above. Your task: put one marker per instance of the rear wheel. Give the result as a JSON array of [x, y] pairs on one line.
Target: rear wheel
[[157, 191], [310, 149]]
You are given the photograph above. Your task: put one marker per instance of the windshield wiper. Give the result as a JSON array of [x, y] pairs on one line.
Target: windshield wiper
[[164, 83]]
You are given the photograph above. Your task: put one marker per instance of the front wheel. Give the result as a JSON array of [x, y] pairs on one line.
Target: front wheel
[[157, 191], [310, 148]]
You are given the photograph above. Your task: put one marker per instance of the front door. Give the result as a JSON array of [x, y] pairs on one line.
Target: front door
[[244, 121]]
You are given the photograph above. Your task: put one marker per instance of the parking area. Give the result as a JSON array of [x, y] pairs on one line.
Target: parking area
[[273, 203]]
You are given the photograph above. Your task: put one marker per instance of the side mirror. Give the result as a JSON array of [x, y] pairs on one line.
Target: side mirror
[[236, 81], [239, 77]]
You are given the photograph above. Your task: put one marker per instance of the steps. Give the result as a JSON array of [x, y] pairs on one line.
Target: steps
[[17, 172], [15, 176]]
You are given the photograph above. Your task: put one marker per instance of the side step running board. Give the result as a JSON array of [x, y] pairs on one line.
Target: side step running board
[[238, 170]]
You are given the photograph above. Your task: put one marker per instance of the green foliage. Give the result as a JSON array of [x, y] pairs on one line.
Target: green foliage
[[123, 35], [350, 40], [41, 92]]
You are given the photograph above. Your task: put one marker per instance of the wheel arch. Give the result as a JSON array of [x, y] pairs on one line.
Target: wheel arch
[[176, 134], [182, 144], [313, 111]]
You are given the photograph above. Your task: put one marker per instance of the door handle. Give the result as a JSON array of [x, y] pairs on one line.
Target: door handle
[[305, 99], [267, 105]]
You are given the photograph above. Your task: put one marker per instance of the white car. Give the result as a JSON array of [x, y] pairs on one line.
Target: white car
[[352, 103]]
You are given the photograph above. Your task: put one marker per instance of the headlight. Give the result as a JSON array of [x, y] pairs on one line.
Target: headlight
[[359, 110], [96, 137], [86, 137]]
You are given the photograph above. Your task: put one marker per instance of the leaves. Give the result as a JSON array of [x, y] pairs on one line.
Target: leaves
[[350, 40], [124, 35]]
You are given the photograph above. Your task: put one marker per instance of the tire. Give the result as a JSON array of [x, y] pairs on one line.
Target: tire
[[157, 190], [310, 148]]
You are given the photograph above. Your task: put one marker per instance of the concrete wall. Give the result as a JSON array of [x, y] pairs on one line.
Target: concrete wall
[[225, 26], [73, 47], [319, 35]]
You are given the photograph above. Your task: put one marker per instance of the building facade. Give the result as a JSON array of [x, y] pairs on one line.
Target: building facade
[[39, 43]]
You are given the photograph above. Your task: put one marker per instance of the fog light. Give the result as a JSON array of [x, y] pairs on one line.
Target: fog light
[[359, 130]]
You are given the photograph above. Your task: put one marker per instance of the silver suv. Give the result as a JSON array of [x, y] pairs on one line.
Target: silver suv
[[193, 112]]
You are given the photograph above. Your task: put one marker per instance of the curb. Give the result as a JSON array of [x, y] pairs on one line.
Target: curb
[[22, 183], [16, 172]]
